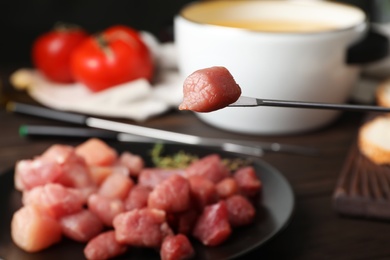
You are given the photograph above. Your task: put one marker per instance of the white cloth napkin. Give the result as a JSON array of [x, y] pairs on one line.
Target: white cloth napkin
[[137, 100]]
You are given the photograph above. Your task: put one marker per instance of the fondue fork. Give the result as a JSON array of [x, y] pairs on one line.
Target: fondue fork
[[256, 102], [126, 132]]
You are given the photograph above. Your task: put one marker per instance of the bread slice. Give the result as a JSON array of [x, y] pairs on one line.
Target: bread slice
[[383, 94], [374, 139]]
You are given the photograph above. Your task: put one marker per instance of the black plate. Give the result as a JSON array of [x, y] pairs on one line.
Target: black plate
[[274, 208]]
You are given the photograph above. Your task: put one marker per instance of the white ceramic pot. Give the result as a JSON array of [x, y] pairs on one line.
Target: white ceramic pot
[[295, 65]]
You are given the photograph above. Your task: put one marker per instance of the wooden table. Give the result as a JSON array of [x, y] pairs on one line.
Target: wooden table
[[316, 230]]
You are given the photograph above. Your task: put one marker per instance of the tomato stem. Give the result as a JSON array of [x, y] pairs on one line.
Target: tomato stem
[[101, 41], [103, 44], [65, 27]]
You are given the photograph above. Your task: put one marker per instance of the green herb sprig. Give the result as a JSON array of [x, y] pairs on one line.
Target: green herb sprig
[[181, 159]]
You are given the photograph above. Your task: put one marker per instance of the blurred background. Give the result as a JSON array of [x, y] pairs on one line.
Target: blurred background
[[21, 21]]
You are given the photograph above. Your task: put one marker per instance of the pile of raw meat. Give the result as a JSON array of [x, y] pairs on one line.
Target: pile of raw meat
[[112, 202]]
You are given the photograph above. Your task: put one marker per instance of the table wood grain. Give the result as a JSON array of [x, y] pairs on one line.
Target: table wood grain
[[316, 231]]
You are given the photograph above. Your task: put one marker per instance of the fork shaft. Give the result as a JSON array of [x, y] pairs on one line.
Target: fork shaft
[[299, 104]]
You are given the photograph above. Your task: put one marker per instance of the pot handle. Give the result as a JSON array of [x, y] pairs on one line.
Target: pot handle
[[373, 47]]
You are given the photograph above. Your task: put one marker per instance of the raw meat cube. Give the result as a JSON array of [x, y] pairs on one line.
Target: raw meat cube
[[137, 197], [32, 230], [212, 227], [248, 183], [210, 167], [76, 174], [227, 187], [183, 222], [203, 191], [133, 162], [171, 195], [37, 172], [74, 170], [59, 153], [209, 89], [116, 186], [97, 152], [106, 209], [55, 199], [81, 226], [100, 173], [104, 246], [176, 248], [151, 177], [58, 164], [241, 211], [141, 227]]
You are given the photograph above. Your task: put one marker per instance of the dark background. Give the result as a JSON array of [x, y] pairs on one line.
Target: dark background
[[21, 21]]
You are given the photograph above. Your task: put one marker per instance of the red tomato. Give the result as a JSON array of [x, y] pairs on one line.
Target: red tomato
[[116, 56], [51, 52]]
